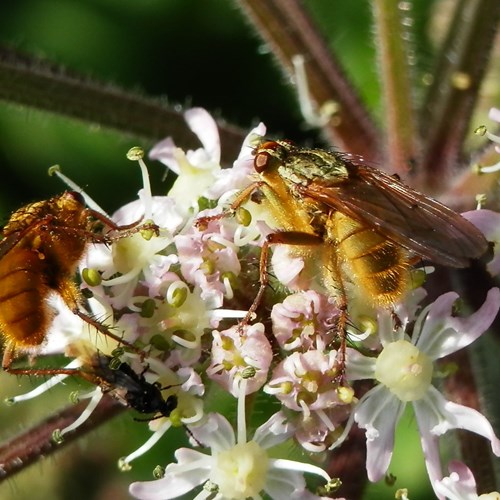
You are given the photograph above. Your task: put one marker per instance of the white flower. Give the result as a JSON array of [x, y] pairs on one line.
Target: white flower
[[235, 468], [404, 372], [461, 485], [197, 169]]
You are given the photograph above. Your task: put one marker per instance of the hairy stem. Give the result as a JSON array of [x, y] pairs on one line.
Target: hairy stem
[[456, 82], [36, 443], [34, 82], [392, 39], [289, 31]]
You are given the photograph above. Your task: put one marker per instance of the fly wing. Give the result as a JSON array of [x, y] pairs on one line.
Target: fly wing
[[409, 218]]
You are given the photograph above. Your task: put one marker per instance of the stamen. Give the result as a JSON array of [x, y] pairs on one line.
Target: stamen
[[305, 409], [227, 313], [124, 462], [56, 169], [223, 242], [137, 154], [282, 463], [241, 424], [48, 384], [480, 200], [185, 343], [172, 294], [244, 235], [85, 414], [197, 407], [120, 280], [489, 169], [325, 419], [310, 113]]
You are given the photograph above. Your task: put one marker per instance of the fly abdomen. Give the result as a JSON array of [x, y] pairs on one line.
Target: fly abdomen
[[23, 319], [378, 266]]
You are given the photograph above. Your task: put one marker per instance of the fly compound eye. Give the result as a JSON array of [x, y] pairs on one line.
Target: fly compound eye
[[261, 161], [264, 156]]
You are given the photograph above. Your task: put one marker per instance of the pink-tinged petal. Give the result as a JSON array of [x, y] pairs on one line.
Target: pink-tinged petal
[[310, 378], [430, 447], [459, 485], [164, 151], [378, 412], [464, 473], [192, 469], [488, 222], [217, 433], [304, 320], [438, 415], [443, 334], [204, 126], [463, 417], [494, 114], [428, 418], [234, 351]]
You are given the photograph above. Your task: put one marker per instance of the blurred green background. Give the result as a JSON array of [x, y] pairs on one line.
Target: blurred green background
[[197, 53]]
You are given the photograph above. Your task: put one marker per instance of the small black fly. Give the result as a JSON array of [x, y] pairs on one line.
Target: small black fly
[[130, 388]]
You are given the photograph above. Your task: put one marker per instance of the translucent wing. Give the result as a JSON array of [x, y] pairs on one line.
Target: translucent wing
[[422, 225]]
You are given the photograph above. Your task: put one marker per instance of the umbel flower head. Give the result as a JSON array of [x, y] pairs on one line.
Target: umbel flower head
[[235, 467], [182, 297]]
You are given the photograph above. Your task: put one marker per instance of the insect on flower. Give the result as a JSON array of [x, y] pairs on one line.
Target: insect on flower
[[42, 246], [360, 225], [127, 386]]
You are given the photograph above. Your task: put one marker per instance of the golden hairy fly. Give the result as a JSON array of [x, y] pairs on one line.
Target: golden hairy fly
[[42, 245], [355, 223], [366, 225]]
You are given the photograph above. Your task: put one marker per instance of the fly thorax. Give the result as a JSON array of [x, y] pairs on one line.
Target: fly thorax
[[291, 176]]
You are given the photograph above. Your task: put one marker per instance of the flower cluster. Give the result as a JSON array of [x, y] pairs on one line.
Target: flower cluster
[[181, 298]]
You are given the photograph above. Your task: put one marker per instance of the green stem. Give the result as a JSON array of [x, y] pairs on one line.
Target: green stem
[[34, 82], [392, 40]]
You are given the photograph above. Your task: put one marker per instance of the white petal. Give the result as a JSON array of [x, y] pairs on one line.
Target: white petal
[[276, 430], [459, 485], [204, 126], [378, 412], [471, 420], [281, 483], [358, 366], [439, 415], [444, 334], [217, 433], [164, 151], [430, 445], [192, 470], [386, 330]]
